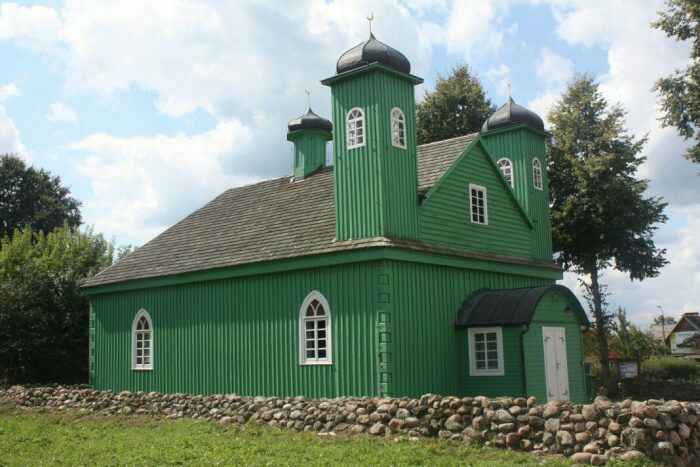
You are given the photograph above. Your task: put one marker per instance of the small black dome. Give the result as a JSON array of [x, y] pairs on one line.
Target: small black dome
[[310, 121], [511, 113], [372, 51]]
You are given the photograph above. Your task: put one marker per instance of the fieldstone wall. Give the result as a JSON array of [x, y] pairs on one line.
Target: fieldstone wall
[[589, 434]]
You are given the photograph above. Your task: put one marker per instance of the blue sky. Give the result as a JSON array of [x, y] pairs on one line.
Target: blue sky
[[149, 109]]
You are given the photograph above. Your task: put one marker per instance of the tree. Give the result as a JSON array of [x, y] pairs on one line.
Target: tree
[[680, 92], [631, 342], [601, 217], [43, 312], [34, 198], [458, 106]]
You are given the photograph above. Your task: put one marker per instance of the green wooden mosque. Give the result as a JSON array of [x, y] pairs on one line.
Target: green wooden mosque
[[399, 270]]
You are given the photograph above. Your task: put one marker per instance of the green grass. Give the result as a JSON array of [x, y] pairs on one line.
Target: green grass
[[41, 438]]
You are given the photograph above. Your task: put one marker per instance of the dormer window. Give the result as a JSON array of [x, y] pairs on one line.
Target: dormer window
[[356, 128], [398, 128], [478, 205], [505, 165], [537, 173]]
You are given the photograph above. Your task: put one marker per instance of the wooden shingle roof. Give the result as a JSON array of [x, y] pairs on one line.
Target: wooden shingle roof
[[274, 219]]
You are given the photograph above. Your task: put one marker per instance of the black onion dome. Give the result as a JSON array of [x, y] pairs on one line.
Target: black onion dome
[[310, 121], [373, 51], [511, 113]]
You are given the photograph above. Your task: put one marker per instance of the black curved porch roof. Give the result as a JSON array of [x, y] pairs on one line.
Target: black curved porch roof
[[510, 307]]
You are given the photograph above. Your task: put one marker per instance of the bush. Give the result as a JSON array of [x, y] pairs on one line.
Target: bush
[[44, 314], [670, 368]]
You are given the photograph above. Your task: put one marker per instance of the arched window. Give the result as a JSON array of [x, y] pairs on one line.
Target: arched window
[[142, 341], [537, 173], [506, 167], [398, 128], [356, 128], [315, 331]]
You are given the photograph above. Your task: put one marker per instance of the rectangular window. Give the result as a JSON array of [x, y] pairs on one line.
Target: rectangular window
[[478, 205], [485, 352]]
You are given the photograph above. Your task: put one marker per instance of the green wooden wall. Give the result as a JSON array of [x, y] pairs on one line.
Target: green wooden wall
[[444, 217], [429, 354], [241, 335], [375, 185], [550, 312], [511, 383], [309, 151], [521, 145]]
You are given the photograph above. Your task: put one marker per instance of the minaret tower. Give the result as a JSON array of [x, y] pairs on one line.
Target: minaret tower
[[374, 143]]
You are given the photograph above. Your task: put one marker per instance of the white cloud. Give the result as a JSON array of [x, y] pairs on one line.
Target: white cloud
[[473, 26], [37, 27], [553, 68], [501, 76], [554, 71], [244, 62], [10, 141], [637, 56], [141, 185], [60, 112], [8, 90]]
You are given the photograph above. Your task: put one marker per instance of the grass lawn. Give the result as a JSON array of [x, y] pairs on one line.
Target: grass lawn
[[35, 438]]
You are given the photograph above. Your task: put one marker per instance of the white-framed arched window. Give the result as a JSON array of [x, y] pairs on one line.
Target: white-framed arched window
[[398, 128], [315, 330], [537, 173], [355, 128], [142, 341], [505, 165]]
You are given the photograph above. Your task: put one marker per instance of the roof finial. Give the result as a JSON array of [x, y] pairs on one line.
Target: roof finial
[[510, 90], [308, 99], [370, 18]]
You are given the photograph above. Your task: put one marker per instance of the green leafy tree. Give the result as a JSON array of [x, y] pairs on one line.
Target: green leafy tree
[[680, 92], [458, 106], [601, 216], [43, 312], [33, 197], [631, 342]]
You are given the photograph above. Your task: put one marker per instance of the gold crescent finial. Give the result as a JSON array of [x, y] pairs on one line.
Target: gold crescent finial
[[370, 18], [308, 98]]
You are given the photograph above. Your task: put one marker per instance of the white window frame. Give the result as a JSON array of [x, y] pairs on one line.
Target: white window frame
[[473, 371], [472, 186], [303, 359], [400, 119], [136, 366], [510, 166], [537, 174], [348, 121]]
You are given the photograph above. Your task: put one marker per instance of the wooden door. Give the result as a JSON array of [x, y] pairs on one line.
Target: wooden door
[[555, 363]]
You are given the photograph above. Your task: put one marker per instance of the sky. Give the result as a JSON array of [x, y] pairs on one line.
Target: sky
[[147, 110]]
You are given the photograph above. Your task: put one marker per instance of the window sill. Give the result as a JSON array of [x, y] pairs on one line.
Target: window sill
[[500, 373], [317, 363], [142, 369]]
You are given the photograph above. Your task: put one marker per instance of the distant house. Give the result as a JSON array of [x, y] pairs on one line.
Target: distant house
[[400, 270], [684, 338]]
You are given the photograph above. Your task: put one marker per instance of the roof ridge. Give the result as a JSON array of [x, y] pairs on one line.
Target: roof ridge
[[476, 133]]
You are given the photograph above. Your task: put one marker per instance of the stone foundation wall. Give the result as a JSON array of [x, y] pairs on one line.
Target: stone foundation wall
[[590, 434]]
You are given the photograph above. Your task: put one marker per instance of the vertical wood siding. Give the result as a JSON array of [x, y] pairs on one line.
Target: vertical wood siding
[[550, 312], [445, 215], [241, 335], [521, 146], [309, 152], [375, 185], [429, 354], [511, 383]]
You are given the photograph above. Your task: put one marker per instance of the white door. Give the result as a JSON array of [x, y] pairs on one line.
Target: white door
[[556, 368]]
